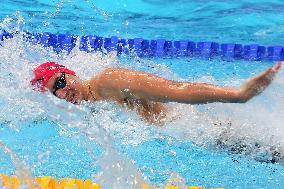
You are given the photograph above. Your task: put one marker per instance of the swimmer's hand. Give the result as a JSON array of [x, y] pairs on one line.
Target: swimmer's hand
[[257, 84]]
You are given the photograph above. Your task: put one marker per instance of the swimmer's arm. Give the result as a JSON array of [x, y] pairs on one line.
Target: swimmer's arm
[[142, 85]]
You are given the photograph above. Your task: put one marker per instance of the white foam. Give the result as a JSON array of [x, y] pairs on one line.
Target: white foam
[[258, 121]]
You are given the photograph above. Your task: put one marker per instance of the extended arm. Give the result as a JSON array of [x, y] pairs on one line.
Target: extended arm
[[141, 85]]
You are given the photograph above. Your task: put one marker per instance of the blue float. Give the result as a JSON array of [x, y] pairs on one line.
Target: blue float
[[99, 42], [146, 48], [87, 43], [180, 48], [1, 36], [254, 52], [230, 51], [275, 53], [53, 42], [110, 44], [137, 46], [44, 40], [158, 47], [167, 48], [123, 47], [191, 47], [207, 49], [36, 39], [5, 35], [68, 42]]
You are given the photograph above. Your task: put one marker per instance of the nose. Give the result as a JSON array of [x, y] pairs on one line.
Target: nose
[[61, 93]]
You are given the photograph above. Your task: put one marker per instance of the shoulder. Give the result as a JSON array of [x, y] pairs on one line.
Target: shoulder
[[111, 81], [110, 77], [111, 73], [114, 70]]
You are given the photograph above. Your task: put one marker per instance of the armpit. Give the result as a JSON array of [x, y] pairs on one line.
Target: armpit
[[152, 112]]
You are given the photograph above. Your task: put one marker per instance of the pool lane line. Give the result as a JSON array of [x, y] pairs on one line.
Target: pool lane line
[[47, 182], [153, 48]]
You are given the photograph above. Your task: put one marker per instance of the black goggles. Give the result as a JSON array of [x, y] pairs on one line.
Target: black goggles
[[59, 83]]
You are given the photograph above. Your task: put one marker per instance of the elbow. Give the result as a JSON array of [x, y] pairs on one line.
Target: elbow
[[242, 100], [241, 97]]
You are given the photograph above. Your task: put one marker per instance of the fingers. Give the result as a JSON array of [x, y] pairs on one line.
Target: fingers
[[277, 66], [270, 72], [257, 84], [267, 73]]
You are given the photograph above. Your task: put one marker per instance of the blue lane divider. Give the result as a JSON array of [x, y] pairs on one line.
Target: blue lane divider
[[254, 52], [156, 47], [5, 35], [87, 43], [207, 49], [44, 39], [230, 50], [275, 52], [152, 48], [135, 45], [110, 44]]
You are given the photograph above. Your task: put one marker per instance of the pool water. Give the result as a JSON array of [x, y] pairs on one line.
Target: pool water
[[212, 145], [246, 21]]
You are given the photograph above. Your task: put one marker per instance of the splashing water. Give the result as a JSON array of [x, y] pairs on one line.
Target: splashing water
[[254, 129], [22, 170], [17, 61], [236, 128]]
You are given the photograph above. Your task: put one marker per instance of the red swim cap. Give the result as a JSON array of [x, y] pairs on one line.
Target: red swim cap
[[45, 71]]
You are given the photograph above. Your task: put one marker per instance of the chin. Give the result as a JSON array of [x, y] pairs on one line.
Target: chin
[[77, 103], [77, 100]]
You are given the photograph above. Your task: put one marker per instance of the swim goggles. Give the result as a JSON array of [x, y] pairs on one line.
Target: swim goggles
[[59, 83]]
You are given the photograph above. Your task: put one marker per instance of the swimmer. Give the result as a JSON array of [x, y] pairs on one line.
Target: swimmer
[[142, 91]]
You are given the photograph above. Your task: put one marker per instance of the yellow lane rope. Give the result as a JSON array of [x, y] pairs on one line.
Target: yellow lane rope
[[47, 182]]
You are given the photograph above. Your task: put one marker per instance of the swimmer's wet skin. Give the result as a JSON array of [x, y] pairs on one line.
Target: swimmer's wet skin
[[141, 90]]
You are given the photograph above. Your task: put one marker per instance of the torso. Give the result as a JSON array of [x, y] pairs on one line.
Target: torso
[[152, 112]]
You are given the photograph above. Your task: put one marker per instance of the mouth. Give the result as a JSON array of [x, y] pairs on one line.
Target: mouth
[[72, 97]]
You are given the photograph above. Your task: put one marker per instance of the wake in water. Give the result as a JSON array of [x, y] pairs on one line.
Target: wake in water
[[253, 129], [21, 103]]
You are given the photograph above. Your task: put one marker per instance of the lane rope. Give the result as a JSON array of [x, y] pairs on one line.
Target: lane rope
[[153, 48]]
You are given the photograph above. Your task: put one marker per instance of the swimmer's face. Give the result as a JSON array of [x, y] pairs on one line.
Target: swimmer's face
[[67, 87]]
